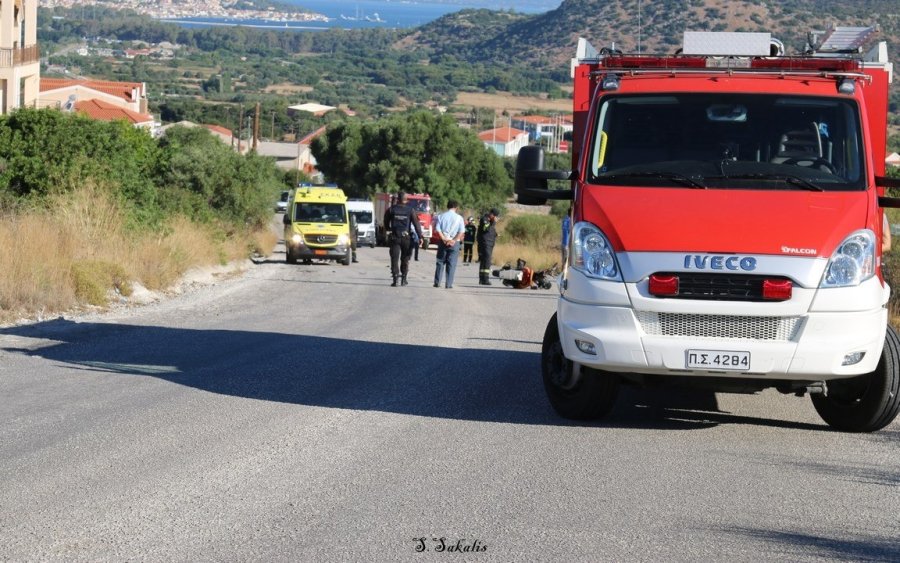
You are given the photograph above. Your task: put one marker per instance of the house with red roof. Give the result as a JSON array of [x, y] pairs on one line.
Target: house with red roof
[[103, 111], [224, 134], [505, 141], [306, 161], [543, 126], [62, 93], [893, 159]]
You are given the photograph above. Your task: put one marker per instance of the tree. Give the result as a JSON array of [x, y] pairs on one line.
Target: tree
[[201, 177], [46, 152], [418, 152]]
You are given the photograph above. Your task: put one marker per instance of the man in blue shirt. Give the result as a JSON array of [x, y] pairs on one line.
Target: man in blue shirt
[[450, 226], [566, 227]]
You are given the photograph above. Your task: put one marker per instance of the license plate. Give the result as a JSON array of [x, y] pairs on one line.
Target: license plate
[[320, 252], [718, 360]]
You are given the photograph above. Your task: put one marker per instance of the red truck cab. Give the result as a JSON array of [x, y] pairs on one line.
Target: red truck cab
[[420, 202], [727, 227]]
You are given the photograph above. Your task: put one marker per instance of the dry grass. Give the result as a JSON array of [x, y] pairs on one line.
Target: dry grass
[[509, 102], [540, 251], [536, 257], [287, 88], [263, 242], [80, 253]]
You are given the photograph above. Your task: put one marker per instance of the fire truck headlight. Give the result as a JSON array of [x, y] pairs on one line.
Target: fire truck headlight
[[592, 253], [853, 262]]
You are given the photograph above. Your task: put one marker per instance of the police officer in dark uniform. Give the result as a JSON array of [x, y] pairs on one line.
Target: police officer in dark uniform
[[487, 235], [399, 219]]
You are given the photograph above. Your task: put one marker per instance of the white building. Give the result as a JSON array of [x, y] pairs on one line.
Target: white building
[[19, 54], [505, 141]]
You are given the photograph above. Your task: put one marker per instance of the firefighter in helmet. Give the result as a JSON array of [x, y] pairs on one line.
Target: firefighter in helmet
[[469, 240], [487, 235]]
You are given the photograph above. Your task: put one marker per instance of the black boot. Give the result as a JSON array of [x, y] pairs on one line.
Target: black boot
[[403, 281], [484, 279], [395, 282]]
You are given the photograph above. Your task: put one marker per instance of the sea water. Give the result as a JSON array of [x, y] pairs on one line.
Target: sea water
[[369, 14]]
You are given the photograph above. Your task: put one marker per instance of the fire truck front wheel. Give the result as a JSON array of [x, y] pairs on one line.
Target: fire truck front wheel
[[576, 392], [869, 402]]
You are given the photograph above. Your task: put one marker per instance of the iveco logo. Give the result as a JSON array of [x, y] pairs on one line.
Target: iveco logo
[[734, 263]]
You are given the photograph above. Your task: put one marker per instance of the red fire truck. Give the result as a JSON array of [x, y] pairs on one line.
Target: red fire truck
[[422, 205], [727, 226]]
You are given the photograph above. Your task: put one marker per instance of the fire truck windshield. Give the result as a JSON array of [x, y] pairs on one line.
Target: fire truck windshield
[[750, 141], [420, 205]]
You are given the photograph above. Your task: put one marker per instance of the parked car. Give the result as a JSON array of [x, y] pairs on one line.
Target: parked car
[[281, 204]]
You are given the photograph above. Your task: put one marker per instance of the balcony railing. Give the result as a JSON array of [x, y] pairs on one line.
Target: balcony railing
[[15, 57]]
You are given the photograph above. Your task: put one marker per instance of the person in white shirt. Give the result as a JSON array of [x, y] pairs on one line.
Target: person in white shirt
[[451, 228]]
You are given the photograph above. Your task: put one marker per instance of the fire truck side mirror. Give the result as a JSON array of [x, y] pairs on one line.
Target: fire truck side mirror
[[531, 178]]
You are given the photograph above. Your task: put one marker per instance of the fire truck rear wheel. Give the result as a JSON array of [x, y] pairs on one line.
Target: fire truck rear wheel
[[869, 402], [575, 391]]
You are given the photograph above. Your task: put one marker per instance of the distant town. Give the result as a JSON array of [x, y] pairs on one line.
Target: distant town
[[172, 9]]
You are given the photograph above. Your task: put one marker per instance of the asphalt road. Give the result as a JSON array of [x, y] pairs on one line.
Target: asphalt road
[[313, 413]]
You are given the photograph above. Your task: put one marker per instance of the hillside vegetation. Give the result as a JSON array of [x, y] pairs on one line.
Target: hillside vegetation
[[87, 208], [377, 71], [550, 38], [547, 42]]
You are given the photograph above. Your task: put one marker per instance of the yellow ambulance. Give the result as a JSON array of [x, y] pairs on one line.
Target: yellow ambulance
[[316, 225]]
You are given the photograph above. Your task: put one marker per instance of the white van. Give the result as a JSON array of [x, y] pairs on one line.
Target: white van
[[364, 212]]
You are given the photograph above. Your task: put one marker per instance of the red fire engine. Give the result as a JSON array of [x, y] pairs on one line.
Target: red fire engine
[[727, 226], [422, 205]]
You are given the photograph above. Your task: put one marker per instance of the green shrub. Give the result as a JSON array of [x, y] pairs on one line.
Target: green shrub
[[560, 208], [533, 230], [46, 153], [93, 279]]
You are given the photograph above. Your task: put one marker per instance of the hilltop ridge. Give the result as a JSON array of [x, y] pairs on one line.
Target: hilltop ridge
[[549, 39]]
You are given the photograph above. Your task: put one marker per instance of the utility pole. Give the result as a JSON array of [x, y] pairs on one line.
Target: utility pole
[[256, 127], [272, 134], [240, 127]]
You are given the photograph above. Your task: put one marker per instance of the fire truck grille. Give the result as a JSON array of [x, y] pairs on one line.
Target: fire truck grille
[[721, 287], [779, 329]]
